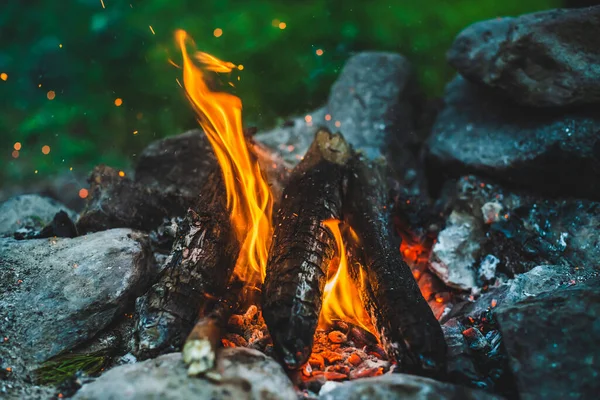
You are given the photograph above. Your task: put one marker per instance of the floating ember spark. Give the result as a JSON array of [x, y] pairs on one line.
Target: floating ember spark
[[319, 52], [248, 194], [17, 146], [46, 149], [4, 76], [118, 102], [218, 32], [282, 25], [83, 193], [51, 95]]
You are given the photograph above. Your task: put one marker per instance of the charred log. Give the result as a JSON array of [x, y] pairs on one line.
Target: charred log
[[302, 248], [406, 324], [199, 268], [200, 348]]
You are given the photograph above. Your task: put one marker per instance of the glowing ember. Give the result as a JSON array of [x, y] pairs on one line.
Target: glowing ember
[[218, 32], [51, 95], [341, 300], [4, 76], [282, 25], [17, 146], [118, 102], [319, 52], [46, 149], [248, 194], [83, 193]]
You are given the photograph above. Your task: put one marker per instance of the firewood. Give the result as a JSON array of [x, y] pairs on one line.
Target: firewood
[[303, 248], [406, 324], [199, 268], [200, 348]]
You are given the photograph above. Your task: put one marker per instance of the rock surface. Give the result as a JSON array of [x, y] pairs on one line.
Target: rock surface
[[401, 386], [557, 152], [245, 374], [457, 249], [177, 165], [30, 212], [548, 58], [57, 293], [115, 201], [376, 106], [552, 341]]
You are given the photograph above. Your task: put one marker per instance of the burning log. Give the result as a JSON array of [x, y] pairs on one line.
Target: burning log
[[406, 324], [200, 348], [303, 247], [199, 267]]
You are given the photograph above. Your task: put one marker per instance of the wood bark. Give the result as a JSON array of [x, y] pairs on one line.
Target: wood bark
[[201, 345], [199, 268], [407, 326], [303, 248]]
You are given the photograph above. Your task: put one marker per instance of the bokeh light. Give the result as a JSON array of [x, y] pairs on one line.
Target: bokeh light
[[51, 95], [218, 32], [282, 25], [46, 149], [319, 52], [17, 146], [83, 193], [118, 102], [4, 76]]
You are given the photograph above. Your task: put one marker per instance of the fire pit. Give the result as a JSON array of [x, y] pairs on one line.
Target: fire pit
[[381, 246]]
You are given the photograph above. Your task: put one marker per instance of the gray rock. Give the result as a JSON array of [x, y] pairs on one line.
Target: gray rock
[[553, 151], [375, 104], [487, 268], [115, 201], [29, 211], [552, 341], [457, 249], [57, 293], [177, 164], [401, 386], [245, 374], [548, 58], [461, 368], [539, 280]]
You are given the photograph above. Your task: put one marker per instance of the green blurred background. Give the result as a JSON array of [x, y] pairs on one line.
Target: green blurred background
[[90, 55]]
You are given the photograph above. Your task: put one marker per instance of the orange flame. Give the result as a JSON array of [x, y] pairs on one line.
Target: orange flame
[[341, 299], [249, 197]]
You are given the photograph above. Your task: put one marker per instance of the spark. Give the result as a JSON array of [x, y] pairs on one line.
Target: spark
[[15, 154], [179, 83], [135, 132], [46, 149], [17, 146], [102, 2], [218, 32], [282, 25], [173, 63], [51, 95], [60, 45], [328, 117], [308, 119], [338, 124], [83, 193], [241, 67], [494, 302], [118, 102], [151, 30], [121, 174], [4, 76], [319, 52], [275, 22]]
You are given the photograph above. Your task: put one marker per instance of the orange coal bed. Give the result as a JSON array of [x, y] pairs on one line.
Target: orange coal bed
[[314, 277]]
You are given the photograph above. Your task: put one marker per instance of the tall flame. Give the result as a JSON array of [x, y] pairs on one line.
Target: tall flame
[[249, 197], [341, 299]]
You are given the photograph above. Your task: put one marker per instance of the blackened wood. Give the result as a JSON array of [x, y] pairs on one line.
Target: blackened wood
[[199, 267], [302, 248], [200, 348], [406, 324]]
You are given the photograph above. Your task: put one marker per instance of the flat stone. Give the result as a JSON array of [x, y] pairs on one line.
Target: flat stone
[[547, 58], [59, 292], [245, 374], [29, 211], [552, 342], [552, 151], [402, 386]]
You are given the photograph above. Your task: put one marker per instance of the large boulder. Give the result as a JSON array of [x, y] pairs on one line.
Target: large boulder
[[548, 58], [243, 374], [29, 212], [552, 342], [401, 386], [553, 151], [375, 104], [57, 293]]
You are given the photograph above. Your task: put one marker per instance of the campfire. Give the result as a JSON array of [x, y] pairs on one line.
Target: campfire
[[320, 283]]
